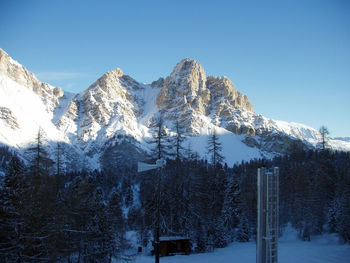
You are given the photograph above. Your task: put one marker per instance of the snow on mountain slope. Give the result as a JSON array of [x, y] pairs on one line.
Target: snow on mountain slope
[[345, 139], [19, 74], [338, 145], [111, 118], [233, 147], [23, 114], [114, 105], [62, 106]]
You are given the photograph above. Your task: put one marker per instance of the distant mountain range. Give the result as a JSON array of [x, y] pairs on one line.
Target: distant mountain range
[[345, 139], [109, 122]]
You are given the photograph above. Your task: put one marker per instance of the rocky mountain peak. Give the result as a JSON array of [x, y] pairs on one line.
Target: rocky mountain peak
[[188, 75], [113, 85], [109, 101], [188, 92], [185, 87], [110, 78], [188, 70], [117, 72], [4, 57], [15, 71]]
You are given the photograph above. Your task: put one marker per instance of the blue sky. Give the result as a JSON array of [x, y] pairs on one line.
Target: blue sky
[[292, 58]]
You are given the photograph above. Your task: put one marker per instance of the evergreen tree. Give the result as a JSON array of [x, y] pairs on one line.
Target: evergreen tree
[[116, 224], [59, 161], [215, 148], [243, 233], [98, 243], [343, 215], [201, 208], [333, 215], [160, 139], [11, 212], [179, 139], [41, 164], [324, 133], [231, 211]]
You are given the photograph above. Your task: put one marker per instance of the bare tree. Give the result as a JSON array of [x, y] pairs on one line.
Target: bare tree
[[41, 163], [58, 158], [179, 137], [324, 139], [160, 138], [215, 148]]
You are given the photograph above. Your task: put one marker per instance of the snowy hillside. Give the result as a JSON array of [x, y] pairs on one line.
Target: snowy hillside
[[117, 109], [22, 113]]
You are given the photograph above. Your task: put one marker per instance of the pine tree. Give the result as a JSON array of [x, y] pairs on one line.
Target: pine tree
[[11, 212], [179, 139], [243, 233], [324, 133], [333, 215], [160, 139], [59, 161], [116, 224], [231, 211], [29, 199], [78, 199], [98, 244], [303, 205], [343, 216], [201, 207], [215, 148], [41, 163]]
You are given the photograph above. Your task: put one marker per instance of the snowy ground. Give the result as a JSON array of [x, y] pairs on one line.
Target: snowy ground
[[322, 249]]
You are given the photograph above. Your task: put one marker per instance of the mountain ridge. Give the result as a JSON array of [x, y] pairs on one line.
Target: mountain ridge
[[116, 108]]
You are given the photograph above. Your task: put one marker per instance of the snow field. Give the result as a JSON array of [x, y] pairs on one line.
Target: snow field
[[325, 248], [320, 250]]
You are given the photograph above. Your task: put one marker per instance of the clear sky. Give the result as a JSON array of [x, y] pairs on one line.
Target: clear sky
[[292, 58]]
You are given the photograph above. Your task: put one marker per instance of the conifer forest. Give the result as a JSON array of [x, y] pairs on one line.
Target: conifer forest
[[50, 215]]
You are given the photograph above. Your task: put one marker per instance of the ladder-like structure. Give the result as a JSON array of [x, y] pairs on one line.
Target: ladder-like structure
[[267, 223]]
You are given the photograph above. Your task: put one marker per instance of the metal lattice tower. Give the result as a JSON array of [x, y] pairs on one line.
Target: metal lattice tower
[[267, 225]]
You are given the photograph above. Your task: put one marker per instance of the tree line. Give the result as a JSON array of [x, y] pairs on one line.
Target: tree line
[[47, 215]]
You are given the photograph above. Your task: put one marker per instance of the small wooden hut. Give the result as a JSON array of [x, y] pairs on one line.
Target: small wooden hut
[[170, 246]]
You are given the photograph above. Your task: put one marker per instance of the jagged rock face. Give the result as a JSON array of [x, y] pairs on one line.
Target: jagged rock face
[[158, 83], [50, 95], [107, 103], [184, 95], [7, 115], [185, 87], [225, 96], [187, 94], [230, 107]]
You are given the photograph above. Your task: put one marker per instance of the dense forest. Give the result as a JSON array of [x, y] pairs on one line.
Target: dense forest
[[49, 215]]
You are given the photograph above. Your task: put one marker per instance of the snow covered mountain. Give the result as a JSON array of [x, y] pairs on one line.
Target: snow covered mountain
[[345, 139], [109, 121]]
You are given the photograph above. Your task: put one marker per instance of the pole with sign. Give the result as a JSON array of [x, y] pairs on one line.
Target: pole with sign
[[142, 167]]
